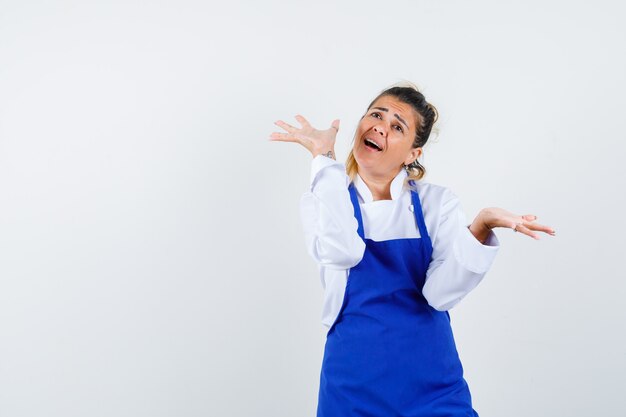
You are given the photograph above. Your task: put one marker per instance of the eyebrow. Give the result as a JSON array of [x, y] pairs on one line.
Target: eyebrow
[[395, 114]]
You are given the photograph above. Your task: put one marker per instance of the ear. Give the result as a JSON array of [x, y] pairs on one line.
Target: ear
[[414, 153]]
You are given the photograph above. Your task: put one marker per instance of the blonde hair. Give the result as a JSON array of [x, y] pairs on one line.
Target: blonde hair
[[408, 93]]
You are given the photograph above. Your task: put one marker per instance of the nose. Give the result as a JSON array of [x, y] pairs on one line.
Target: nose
[[380, 130]]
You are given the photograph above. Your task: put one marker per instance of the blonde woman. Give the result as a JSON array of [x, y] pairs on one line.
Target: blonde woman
[[395, 254]]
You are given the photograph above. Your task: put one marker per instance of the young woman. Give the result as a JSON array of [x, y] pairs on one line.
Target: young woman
[[395, 253]]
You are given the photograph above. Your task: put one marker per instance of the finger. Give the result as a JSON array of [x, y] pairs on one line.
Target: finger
[[304, 122], [529, 218], [289, 137], [285, 126], [283, 137], [540, 228], [523, 229], [335, 125]]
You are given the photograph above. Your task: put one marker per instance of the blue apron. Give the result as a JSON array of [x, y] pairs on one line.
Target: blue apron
[[389, 353]]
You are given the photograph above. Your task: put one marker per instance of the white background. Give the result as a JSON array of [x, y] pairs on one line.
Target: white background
[[152, 261]]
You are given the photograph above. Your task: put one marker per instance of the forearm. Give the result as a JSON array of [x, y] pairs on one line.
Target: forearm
[[328, 217], [462, 254], [479, 229], [453, 276]]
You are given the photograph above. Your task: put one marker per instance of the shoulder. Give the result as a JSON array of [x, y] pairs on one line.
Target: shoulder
[[439, 204], [432, 193]]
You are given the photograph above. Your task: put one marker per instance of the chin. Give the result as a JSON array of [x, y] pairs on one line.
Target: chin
[[367, 165], [364, 158]]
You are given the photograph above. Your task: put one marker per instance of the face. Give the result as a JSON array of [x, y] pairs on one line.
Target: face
[[383, 141]]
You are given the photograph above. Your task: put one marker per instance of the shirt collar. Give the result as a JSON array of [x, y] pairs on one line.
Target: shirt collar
[[396, 187]]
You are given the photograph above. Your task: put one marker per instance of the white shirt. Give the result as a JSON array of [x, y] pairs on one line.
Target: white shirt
[[459, 261]]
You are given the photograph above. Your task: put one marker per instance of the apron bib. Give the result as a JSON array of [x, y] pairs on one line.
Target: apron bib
[[389, 353]]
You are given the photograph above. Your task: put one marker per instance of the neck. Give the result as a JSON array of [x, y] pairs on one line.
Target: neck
[[379, 185]]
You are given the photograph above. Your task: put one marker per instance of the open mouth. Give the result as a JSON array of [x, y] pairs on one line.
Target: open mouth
[[372, 144]]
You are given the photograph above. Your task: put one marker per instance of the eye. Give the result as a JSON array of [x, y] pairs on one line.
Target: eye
[[376, 114], [399, 128]]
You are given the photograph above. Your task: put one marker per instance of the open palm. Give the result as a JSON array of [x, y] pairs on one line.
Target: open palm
[[316, 141]]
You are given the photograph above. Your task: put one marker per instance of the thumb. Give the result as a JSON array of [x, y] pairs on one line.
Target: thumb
[[335, 124]]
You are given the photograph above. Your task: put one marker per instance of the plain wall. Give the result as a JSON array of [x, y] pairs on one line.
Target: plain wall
[[152, 261]]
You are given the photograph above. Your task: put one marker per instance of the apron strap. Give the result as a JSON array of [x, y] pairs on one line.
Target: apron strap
[[417, 212], [357, 209]]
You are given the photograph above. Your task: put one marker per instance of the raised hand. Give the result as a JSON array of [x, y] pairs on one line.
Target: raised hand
[[492, 217], [318, 142]]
